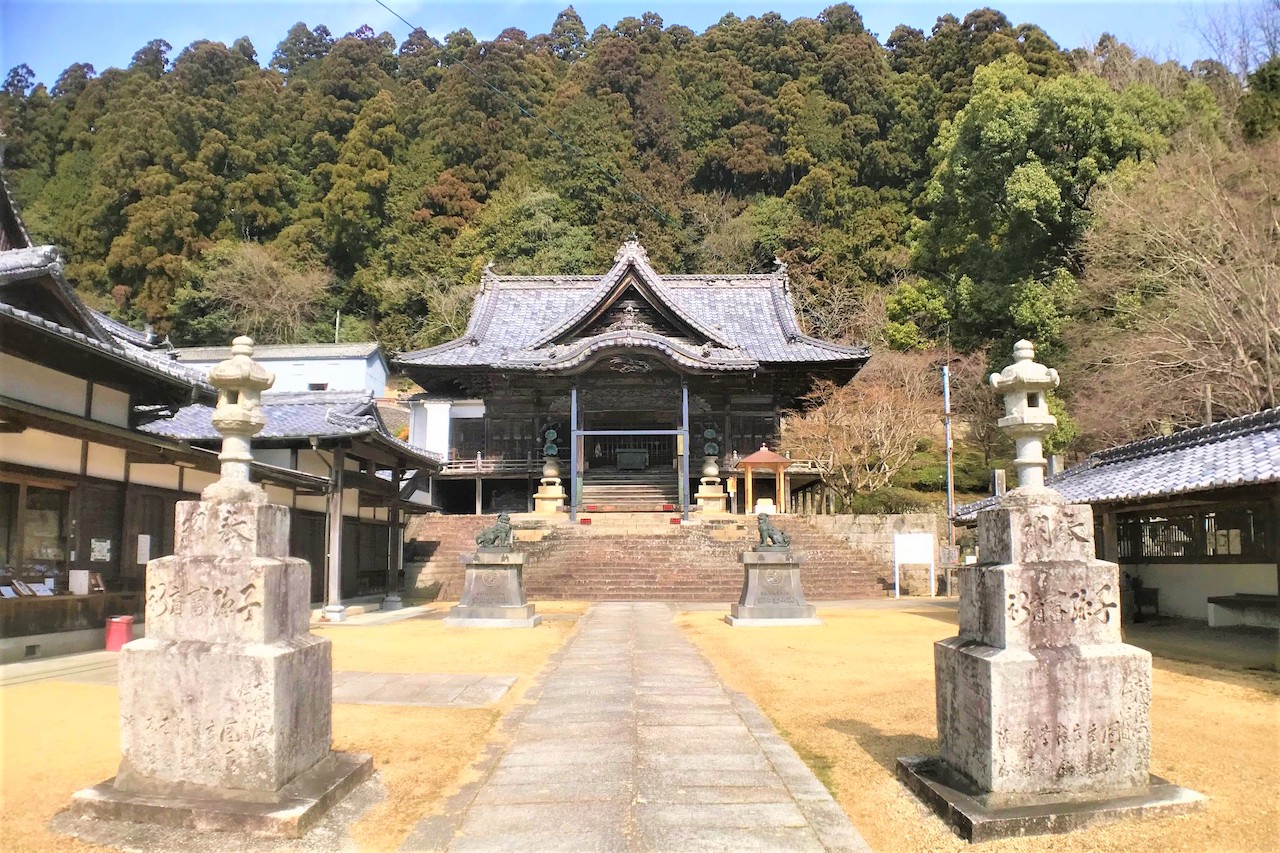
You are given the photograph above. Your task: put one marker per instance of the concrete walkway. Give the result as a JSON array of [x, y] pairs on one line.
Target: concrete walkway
[[633, 744]]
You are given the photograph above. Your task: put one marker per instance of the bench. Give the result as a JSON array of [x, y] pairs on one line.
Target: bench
[[1244, 608]]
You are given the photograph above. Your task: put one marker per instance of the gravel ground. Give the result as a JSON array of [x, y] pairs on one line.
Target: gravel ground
[[853, 695], [60, 736]]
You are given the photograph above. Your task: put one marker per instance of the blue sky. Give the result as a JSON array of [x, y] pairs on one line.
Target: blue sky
[[50, 35]]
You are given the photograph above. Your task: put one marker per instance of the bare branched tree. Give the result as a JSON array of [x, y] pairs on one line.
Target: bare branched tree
[[269, 299], [862, 434], [1242, 35], [1184, 284]]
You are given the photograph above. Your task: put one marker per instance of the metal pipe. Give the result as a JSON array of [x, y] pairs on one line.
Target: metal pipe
[[573, 453], [946, 419], [684, 457]]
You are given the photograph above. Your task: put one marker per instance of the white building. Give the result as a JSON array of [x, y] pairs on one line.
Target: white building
[[307, 367]]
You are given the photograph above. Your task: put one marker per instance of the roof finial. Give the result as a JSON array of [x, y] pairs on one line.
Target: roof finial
[[781, 265], [631, 249]]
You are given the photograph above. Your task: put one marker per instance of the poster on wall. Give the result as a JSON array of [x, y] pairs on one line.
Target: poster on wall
[[99, 550]]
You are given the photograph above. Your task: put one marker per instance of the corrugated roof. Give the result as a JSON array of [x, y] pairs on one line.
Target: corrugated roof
[[265, 352], [1236, 452], [748, 321]]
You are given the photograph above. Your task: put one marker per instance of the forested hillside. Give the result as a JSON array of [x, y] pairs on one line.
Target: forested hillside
[[960, 188]]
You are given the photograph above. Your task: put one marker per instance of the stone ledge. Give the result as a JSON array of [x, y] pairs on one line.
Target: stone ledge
[[770, 622], [962, 806], [476, 622], [302, 802]]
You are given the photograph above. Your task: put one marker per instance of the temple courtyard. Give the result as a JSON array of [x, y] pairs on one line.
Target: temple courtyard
[[647, 726]]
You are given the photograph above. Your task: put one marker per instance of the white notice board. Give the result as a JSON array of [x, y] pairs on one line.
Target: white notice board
[[913, 549]]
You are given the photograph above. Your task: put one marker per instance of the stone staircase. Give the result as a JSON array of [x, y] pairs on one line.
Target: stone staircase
[[640, 556], [607, 490]]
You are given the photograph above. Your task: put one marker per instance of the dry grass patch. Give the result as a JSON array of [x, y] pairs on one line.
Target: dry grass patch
[[59, 737], [858, 692]]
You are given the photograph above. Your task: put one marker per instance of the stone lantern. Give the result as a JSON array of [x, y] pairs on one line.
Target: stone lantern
[[1025, 385], [238, 417], [1043, 711]]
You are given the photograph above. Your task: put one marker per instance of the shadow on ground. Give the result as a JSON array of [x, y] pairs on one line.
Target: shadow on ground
[[885, 748]]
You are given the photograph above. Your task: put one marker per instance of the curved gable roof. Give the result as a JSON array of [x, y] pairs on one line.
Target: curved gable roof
[[747, 321]]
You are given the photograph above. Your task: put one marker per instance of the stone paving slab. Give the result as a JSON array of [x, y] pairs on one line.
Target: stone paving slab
[[633, 744]]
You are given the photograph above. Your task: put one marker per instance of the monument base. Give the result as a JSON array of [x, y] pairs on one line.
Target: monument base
[[771, 593], [492, 593], [298, 805], [711, 500], [975, 817], [492, 616]]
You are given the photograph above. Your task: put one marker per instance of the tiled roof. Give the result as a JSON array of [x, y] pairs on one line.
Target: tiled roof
[[263, 352], [1236, 452], [296, 415], [746, 320]]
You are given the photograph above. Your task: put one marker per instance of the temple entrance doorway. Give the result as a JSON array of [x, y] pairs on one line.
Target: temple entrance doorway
[[641, 451]]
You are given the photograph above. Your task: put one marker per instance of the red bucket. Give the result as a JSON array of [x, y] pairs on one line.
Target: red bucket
[[119, 632]]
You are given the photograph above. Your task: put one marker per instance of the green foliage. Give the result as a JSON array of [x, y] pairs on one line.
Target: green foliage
[[931, 191], [886, 501], [1259, 111]]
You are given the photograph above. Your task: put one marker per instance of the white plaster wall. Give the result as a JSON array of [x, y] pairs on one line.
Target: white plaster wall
[[351, 503], [311, 462], [312, 503], [429, 425], [1185, 587], [467, 409], [196, 481], [33, 383], [106, 462], [161, 476], [39, 449], [375, 374], [279, 495], [277, 456], [340, 374], [110, 406]]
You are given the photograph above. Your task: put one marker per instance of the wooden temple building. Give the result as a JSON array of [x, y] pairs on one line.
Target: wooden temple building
[[633, 382]]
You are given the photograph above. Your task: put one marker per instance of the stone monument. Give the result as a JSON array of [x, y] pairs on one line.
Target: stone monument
[[1043, 711], [771, 593], [493, 591], [710, 497], [225, 706], [550, 497]]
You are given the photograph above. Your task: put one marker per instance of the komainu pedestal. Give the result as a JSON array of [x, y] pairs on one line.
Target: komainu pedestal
[[771, 592], [1043, 711], [493, 592], [225, 706]]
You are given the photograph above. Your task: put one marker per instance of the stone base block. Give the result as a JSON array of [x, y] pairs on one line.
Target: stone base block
[[737, 621], [236, 717], [482, 622], [1041, 721], [975, 817], [297, 807]]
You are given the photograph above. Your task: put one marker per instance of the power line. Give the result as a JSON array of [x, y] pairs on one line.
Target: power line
[[579, 152]]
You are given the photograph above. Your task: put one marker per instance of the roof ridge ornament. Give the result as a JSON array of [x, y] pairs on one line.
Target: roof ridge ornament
[[632, 249]]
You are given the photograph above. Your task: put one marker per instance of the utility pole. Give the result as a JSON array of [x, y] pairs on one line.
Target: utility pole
[[946, 420]]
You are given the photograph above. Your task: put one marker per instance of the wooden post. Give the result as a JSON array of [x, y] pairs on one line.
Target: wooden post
[[333, 609], [749, 506], [779, 477], [395, 544]]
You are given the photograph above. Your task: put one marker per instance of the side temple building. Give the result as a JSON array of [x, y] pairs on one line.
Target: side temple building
[[632, 379]]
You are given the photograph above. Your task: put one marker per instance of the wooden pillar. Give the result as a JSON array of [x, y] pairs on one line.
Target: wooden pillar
[[333, 609], [395, 544], [779, 479], [750, 505], [479, 494]]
